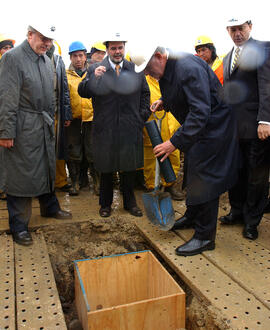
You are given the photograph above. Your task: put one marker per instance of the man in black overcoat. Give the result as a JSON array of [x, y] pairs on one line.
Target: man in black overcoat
[[247, 90], [193, 94], [120, 98]]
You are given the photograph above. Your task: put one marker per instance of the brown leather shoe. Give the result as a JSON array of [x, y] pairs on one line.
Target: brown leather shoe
[[105, 212], [175, 192]]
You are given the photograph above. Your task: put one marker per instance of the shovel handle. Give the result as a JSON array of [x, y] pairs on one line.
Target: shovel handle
[[157, 175]]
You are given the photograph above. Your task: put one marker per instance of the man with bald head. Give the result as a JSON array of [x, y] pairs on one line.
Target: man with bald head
[[246, 83]]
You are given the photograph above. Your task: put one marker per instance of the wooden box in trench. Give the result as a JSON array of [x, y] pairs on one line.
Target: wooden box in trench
[[127, 292]]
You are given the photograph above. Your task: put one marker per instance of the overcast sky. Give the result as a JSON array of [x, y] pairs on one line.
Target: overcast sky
[[172, 23]]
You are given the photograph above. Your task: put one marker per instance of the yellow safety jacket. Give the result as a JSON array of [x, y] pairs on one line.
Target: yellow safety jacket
[[168, 127], [217, 67], [81, 107]]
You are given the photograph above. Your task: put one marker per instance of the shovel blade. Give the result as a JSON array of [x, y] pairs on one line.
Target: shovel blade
[[159, 209]]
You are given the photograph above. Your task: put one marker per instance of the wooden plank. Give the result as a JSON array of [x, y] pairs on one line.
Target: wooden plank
[[237, 307], [166, 313], [129, 292], [245, 261], [7, 290], [38, 303]]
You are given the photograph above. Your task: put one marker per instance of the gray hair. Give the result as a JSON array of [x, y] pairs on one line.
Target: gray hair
[[30, 29]]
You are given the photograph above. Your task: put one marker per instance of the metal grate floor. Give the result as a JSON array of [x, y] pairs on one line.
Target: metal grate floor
[[239, 304], [37, 303], [7, 297]]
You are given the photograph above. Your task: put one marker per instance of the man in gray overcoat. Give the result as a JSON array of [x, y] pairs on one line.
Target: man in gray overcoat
[[27, 131]]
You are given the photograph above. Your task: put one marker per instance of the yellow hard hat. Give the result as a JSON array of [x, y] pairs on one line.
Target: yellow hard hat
[[4, 37], [203, 40], [99, 46]]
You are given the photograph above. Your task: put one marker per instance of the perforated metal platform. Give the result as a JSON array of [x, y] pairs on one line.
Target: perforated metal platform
[[7, 297], [34, 293], [234, 278]]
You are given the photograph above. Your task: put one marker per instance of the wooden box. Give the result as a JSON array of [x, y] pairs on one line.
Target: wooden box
[[127, 292]]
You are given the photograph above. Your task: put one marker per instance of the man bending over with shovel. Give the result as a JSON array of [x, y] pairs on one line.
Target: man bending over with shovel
[[193, 94]]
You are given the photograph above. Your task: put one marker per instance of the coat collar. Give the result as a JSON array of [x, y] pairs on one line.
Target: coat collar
[[29, 51], [126, 64]]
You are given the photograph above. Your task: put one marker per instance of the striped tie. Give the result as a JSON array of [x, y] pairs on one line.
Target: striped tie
[[117, 69], [236, 57]]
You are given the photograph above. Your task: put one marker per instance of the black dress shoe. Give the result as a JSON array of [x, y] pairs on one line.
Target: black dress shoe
[[105, 211], [231, 219], [267, 207], [65, 188], [22, 238], [250, 232], [60, 214], [183, 222], [195, 246], [135, 210]]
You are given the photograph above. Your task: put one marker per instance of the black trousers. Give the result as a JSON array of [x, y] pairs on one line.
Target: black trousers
[[250, 194], [205, 218], [106, 189], [20, 210]]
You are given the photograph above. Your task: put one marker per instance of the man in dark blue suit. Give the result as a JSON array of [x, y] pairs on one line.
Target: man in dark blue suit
[[193, 94], [247, 90]]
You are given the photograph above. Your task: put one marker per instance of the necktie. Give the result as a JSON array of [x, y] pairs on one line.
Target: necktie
[[236, 57], [117, 69]]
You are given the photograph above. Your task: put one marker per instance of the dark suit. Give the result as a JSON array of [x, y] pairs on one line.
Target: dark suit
[[247, 90], [193, 94], [121, 106]]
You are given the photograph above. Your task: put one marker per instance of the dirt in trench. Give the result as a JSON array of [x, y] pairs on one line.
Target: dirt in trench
[[104, 237]]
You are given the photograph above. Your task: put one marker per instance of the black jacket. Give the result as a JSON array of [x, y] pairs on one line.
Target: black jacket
[[247, 88], [121, 106], [64, 110], [194, 95]]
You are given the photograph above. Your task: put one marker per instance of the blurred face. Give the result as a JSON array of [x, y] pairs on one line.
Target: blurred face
[[98, 56], [39, 43], [156, 66], [4, 49], [78, 59], [239, 33], [204, 53], [116, 51]]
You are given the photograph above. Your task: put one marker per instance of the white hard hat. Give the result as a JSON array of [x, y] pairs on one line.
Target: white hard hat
[[140, 56], [237, 21], [115, 37], [46, 30]]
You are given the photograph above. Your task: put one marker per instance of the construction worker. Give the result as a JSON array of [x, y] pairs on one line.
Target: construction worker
[[6, 44], [97, 53], [81, 111], [168, 128], [206, 50], [63, 117]]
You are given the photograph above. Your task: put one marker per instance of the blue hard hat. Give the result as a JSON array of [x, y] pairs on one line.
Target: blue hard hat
[[76, 46]]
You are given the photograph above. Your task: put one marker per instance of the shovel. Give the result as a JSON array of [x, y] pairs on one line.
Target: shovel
[[158, 204]]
